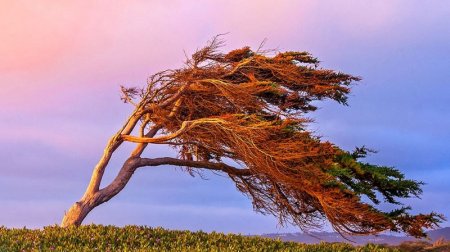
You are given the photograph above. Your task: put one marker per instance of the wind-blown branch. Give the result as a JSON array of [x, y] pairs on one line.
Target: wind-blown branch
[[132, 164], [194, 164], [185, 126]]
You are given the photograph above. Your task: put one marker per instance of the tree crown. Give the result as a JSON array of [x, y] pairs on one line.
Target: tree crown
[[250, 107]]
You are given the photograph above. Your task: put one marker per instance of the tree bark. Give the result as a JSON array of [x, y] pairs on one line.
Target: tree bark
[[76, 214]]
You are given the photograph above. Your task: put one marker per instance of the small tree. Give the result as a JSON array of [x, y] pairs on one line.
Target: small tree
[[251, 108]]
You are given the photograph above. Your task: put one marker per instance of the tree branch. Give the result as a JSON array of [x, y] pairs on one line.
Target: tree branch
[[185, 126], [141, 146], [133, 163], [175, 97], [194, 164]]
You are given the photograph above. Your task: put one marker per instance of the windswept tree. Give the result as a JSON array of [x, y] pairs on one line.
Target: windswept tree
[[251, 107]]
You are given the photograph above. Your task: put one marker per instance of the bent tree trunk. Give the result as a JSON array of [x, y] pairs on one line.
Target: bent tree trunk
[[94, 197], [76, 214]]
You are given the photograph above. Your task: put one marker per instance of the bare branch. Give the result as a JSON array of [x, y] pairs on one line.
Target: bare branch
[[185, 126], [194, 164]]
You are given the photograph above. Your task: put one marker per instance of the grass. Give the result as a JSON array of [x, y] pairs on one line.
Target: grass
[[141, 238]]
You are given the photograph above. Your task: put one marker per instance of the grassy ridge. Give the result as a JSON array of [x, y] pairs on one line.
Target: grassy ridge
[[138, 238]]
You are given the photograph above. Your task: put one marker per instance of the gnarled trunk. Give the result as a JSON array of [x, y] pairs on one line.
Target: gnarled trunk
[[79, 210], [76, 214], [92, 198]]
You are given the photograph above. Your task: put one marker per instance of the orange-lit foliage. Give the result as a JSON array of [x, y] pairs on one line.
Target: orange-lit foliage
[[249, 107]]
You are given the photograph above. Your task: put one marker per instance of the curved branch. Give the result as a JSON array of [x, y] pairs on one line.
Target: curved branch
[[194, 164], [113, 144], [141, 147], [130, 166], [185, 126]]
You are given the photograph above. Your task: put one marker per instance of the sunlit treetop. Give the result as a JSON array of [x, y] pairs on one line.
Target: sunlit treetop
[[244, 114]]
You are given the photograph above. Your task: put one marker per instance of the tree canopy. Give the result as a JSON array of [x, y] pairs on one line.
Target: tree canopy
[[244, 114]]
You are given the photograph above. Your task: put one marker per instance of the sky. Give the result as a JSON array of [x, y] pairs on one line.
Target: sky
[[62, 63]]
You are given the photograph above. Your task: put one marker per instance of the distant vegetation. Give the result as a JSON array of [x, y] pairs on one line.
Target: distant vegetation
[[440, 245], [437, 240], [136, 238]]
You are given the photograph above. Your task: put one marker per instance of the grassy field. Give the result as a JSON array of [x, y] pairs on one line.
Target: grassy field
[[137, 238]]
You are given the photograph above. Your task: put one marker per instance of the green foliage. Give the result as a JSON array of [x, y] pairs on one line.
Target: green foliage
[[367, 179], [138, 238], [379, 183]]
